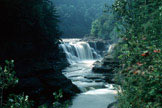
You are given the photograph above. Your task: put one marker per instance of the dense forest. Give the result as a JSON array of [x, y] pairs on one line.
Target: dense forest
[[116, 65], [77, 15], [29, 46], [140, 53], [105, 27]]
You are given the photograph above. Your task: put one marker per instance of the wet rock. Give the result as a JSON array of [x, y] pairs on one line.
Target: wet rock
[[100, 45], [112, 105], [107, 66], [102, 69], [98, 80]]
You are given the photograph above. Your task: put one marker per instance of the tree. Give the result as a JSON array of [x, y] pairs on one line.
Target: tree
[[28, 23], [103, 26], [77, 16], [30, 36], [140, 53]]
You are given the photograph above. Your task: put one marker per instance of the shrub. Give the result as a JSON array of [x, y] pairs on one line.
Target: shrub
[[7, 79], [140, 53]]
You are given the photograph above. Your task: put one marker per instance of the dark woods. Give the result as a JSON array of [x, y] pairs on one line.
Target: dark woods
[[30, 37], [28, 27]]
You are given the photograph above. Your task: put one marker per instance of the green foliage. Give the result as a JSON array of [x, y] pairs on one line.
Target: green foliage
[[103, 27], [18, 101], [57, 104], [57, 97], [7, 75], [29, 28], [77, 15], [7, 79], [140, 53]]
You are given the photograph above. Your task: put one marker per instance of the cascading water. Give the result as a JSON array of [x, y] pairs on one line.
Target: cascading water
[[111, 47], [96, 93], [77, 50]]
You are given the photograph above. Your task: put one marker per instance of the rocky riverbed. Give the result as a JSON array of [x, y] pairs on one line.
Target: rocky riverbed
[[96, 92], [107, 65], [95, 87]]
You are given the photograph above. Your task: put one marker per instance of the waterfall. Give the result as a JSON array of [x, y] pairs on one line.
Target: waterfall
[[111, 48], [77, 50]]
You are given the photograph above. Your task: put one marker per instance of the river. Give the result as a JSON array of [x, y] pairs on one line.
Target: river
[[96, 92]]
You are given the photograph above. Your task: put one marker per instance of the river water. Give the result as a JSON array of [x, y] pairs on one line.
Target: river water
[[96, 92]]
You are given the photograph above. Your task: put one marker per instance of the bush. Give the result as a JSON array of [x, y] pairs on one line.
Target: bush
[[140, 53], [18, 101], [7, 79]]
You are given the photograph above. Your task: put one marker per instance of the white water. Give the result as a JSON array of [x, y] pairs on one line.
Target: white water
[[99, 98], [77, 50], [96, 93]]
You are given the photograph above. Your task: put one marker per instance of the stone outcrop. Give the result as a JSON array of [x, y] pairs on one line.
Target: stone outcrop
[[99, 45], [107, 65], [112, 105]]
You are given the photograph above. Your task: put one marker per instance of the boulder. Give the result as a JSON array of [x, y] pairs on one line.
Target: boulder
[[107, 65], [112, 105], [100, 45]]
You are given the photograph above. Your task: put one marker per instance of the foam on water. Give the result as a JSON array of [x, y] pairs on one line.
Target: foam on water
[[96, 92], [77, 50]]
